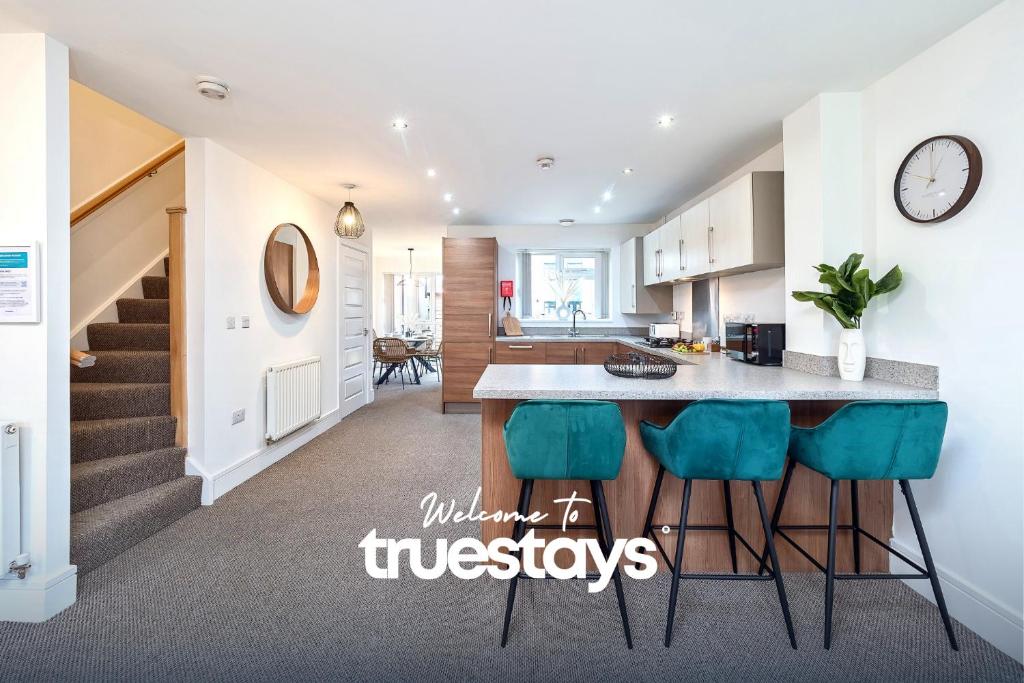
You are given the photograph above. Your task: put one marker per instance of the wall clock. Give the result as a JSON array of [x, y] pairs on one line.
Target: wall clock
[[938, 179]]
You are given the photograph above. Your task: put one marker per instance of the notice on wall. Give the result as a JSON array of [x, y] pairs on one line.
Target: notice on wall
[[19, 283]]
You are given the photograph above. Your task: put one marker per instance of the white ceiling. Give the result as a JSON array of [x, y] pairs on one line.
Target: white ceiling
[[487, 87]]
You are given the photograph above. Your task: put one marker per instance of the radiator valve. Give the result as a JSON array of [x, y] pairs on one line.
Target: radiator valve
[[20, 566]]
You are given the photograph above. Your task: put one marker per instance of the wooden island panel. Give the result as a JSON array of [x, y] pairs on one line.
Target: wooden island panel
[[629, 495]]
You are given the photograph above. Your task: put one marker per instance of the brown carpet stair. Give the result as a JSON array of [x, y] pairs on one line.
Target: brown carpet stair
[[127, 476]]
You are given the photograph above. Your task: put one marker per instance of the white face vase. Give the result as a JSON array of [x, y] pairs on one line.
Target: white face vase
[[851, 355]]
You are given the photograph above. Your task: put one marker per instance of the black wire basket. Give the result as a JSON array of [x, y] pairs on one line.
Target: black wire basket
[[639, 366]]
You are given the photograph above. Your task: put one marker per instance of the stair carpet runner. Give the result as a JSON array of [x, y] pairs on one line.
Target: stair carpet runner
[[127, 476]]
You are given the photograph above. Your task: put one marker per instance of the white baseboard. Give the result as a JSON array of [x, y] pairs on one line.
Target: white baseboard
[[971, 606], [34, 600], [218, 483]]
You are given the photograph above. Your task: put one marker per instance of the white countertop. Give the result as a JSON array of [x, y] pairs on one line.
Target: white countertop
[[704, 376]]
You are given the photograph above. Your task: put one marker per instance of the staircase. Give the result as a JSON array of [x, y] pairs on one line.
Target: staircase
[[127, 476]]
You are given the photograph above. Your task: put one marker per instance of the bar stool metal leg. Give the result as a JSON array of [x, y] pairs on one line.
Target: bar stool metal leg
[[678, 566], [606, 538], [648, 528], [525, 492], [855, 504], [728, 521], [926, 553], [777, 514], [830, 568], [770, 543]]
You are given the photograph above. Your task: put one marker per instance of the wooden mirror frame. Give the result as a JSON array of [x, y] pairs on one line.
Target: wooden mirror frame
[[312, 290]]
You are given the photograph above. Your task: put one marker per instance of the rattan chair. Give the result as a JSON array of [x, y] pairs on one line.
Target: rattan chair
[[433, 354], [392, 354]]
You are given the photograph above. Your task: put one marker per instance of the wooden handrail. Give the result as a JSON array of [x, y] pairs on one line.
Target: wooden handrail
[[81, 359], [94, 203]]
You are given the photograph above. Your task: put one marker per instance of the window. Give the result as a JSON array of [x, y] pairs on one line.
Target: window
[[554, 283]]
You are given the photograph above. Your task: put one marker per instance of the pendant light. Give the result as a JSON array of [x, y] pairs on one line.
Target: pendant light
[[349, 223]]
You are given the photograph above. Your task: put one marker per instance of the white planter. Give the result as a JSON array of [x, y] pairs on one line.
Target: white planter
[[852, 355]]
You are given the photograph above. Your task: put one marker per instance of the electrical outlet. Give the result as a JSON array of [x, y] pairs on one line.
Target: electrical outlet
[[231, 322], [245, 322], [238, 416]]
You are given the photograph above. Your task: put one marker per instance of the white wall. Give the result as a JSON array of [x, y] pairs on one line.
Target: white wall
[[34, 378], [959, 279], [108, 141], [233, 205], [514, 237], [957, 298]]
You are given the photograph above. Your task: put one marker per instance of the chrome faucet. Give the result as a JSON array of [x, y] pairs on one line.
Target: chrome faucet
[[574, 332]]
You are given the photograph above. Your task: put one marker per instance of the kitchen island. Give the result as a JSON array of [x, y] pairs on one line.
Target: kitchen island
[[812, 398]]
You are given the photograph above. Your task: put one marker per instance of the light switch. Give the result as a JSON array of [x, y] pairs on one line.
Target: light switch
[[231, 322], [245, 322], [238, 416]]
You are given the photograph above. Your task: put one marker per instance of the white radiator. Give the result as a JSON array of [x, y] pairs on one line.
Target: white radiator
[[293, 396], [10, 498]]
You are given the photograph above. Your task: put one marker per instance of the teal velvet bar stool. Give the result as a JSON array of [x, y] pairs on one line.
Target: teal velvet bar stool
[[727, 440], [566, 440], [866, 441]]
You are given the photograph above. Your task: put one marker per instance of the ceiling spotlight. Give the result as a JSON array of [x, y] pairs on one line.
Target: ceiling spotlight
[[456, 211], [607, 196], [665, 121], [627, 171], [545, 163], [431, 173], [566, 222], [448, 196], [212, 89], [597, 209], [399, 124]]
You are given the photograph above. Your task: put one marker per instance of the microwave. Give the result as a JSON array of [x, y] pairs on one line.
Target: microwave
[[758, 343]]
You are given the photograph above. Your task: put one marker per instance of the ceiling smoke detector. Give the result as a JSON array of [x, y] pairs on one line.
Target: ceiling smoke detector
[[545, 163], [212, 89], [566, 222]]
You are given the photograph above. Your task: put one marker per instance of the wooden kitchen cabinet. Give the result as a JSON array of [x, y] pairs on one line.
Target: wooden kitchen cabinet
[[595, 353], [561, 353], [524, 353], [470, 270]]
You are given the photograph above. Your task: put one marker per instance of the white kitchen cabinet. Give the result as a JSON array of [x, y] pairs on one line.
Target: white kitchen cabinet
[[661, 253], [694, 251], [634, 296]]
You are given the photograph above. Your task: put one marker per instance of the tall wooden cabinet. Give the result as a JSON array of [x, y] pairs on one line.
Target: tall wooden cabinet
[[470, 270]]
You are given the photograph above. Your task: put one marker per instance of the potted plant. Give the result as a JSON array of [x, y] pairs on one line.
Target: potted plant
[[852, 290]]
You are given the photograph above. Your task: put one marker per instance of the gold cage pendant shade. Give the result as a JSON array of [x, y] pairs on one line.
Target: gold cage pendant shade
[[349, 224]]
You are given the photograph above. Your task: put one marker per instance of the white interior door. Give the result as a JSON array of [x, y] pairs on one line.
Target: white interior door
[[355, 339]]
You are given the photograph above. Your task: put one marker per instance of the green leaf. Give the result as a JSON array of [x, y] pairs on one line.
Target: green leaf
[[850, 265], [842, 316], [824, 268], [889, 281], [836, 281], [810, 295], [864, 287]]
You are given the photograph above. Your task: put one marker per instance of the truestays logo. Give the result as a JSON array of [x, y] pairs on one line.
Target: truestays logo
[[503, 558]]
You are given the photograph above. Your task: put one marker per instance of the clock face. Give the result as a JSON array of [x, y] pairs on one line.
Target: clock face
[[938, 179]]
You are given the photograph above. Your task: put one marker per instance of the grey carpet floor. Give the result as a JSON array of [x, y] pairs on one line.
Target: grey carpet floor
[[269, 584]]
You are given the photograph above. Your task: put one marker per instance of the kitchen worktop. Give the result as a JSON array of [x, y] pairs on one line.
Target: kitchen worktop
[[700, 376]]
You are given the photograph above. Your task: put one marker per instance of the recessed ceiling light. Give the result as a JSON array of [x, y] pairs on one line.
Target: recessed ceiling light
[[456, 211], [607, 196], [448, 196], [597, 209], [545, 163], [665, 121], [431, 173], [627, 171], [399, 124], [566, 222]]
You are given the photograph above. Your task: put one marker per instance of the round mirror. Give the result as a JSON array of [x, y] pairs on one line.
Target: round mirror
[[291, 270]]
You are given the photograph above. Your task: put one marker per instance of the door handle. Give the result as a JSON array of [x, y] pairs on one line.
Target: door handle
[[682, 266], [365, 332], [520, 346], [634, 295], [490, 327], [711, 244]]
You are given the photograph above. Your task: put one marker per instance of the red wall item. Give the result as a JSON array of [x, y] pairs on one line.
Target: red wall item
[[506, 288]]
